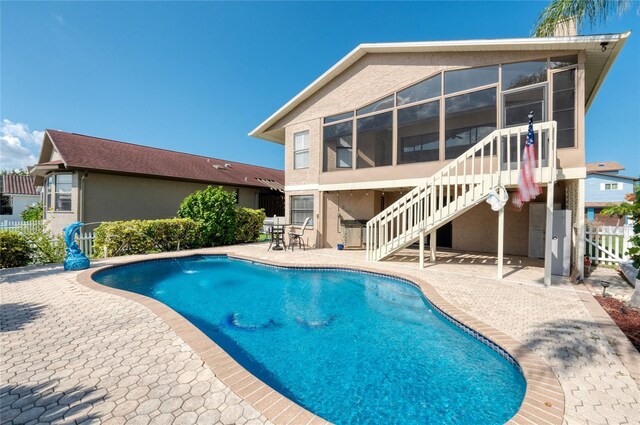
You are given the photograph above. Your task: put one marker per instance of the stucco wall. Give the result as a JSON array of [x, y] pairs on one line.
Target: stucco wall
[[19, 202], [477, 229], [113, 197], [109, 197], [377, 75]]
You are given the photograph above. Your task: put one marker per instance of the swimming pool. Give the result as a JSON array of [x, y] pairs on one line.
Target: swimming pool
[[351, 347]]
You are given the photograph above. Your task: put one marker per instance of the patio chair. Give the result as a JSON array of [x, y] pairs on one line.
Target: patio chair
[[297, 236]]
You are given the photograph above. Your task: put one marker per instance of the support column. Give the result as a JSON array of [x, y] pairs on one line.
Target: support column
[[421, 250], [501, 243], [579, 219], [548, 235], [432, 247]]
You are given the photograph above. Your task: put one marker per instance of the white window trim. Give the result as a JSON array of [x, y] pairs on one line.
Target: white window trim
[[618, 186]]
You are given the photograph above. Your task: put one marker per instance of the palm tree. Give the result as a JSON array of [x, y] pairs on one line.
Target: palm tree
[[563, 11]]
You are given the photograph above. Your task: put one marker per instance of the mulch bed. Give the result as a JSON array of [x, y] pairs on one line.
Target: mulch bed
[[627, 318]]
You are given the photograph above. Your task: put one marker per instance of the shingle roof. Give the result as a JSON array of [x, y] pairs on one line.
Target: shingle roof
[[602, 167], [18, 185], [93, 153]]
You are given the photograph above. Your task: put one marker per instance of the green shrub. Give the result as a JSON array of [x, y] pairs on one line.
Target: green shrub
[[33, 212], [248, 224], [146, 236], [46, 247], [215, 209], [15, 250]]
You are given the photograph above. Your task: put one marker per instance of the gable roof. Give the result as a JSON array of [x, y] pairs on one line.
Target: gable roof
[[78, 151], [603, 167], [614, 177], [598, 63], [13, 184]]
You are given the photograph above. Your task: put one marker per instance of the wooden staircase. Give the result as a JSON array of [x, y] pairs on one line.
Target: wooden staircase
[[459, 186]]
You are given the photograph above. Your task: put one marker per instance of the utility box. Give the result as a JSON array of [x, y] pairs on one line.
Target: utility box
[[561, 243]]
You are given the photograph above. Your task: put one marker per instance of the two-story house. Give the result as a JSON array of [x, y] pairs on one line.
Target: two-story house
[[412, 138], [605, 186]]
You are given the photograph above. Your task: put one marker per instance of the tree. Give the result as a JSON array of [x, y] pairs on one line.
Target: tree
[[214, 208], [563, 11], [632, 209], [33, 212], [621, 210]]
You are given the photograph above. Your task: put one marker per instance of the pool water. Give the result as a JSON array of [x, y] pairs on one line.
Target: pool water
[[353, 348]]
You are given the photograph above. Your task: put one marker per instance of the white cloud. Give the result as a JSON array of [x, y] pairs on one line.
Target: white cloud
[[19, 146]]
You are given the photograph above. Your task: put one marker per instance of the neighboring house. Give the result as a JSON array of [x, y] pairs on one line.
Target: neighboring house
[[16, 194], [389, 116], [606, 187], [90, 179]]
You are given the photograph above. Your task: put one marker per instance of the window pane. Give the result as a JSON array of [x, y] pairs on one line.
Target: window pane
[[301, 160], [421, 91], [301, 208], [374, 140], [335, 136], [63, 178], [380, 105], [564, 100], [344, 157], [419, 133], [301, 141], [6, 207], [562, 61], [564, 80], [468, 119], [523, 74], [465, 79], [338, 117], [518, 105], [63, 192]]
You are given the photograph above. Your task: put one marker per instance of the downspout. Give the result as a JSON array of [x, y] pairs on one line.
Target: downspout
[[81, 199]]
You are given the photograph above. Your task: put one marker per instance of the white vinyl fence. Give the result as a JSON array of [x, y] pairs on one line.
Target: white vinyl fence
[[30, 226], [85, 242], [608, 245]]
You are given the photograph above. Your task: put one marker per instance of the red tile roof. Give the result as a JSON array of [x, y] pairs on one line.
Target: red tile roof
[[18, 185], [93, 153]]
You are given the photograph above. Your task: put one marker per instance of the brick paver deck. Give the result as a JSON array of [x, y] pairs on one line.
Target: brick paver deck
[[71, 354]]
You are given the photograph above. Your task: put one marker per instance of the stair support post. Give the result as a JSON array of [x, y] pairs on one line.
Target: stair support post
[[548, 237], [421, 250], [432, 247], [501, 243]]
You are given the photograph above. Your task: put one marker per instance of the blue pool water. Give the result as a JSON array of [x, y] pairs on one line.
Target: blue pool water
[[353, 348]]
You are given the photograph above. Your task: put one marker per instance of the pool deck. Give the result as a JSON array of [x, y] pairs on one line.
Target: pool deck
[[71, 354]]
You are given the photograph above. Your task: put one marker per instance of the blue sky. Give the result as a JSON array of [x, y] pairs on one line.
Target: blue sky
[[197, 76]]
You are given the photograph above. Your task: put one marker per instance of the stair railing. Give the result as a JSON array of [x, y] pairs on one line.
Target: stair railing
[[459, 185]]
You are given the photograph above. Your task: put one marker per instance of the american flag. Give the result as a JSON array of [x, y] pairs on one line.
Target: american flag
[[528, 189]]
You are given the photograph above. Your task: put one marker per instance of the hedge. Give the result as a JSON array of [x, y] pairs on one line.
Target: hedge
[[249, 222], [215, 209], [147, 236], [15, 250]]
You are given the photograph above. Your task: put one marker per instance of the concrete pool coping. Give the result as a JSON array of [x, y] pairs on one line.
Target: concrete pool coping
[[543, 401]]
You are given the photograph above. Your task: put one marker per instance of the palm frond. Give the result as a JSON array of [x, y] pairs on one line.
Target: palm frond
[[562, 11]]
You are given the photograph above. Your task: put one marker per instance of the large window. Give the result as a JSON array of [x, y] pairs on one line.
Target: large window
[[301, 150], [522, 74], [419, 133], [375, 134], [564, 107], [465, 79], [338, 142], [301, 208], [58, 192], [410, 120], [424, 90], [6, 205], [468, 119]]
